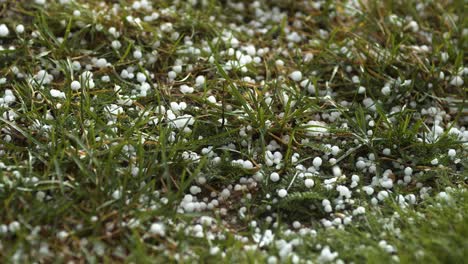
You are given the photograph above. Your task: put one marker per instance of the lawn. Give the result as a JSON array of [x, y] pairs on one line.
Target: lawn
[[204, 131]]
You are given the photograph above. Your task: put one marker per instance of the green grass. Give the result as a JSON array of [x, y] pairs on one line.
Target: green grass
[[70, 164]]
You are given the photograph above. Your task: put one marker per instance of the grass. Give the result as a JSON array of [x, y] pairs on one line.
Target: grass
[[103, 173]]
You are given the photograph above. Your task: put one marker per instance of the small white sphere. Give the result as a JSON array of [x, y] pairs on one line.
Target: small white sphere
[[296, 76], [4, 30], [435, 161], [452, 153], [137, 54], [247, 164], [274, 177], [457, 81], [282, 193], [101, 63], [19, 29], [75, 85], [309, 183], [335, 150], [408, 171], [200, 81], [386, 151], [317, 162]]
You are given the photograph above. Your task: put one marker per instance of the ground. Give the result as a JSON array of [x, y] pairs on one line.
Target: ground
[[247, 132]]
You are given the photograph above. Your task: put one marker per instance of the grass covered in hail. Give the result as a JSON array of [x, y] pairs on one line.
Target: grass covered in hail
[[207, 131]]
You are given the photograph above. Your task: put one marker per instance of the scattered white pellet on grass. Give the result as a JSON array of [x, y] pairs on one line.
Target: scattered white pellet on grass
[[274, 177], [62, 235], [452, 153], [457, 81], [282, 193], [158, 229], [75, 85], [309, 183], [200, 81], [247, 164], [137, 54], [19, 29], [326, 255], [101, 63], [295, 76], [317, 162], [57, 94], [185, 89], [4, 31]]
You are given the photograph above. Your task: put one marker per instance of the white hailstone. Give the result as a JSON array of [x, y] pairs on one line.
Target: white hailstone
[[344, 191], [387, 183], [116, 44], [141, 77], [435, 161], [76, 13], [172, 75], [282, 193], [137, 54], [369, 190], [87, 78], [316, 128], [296, 76], [200, 81], [274, 177], [413, 25], [247, 164], [180, 121], [452, 153], [309, 183], [408, 171], [225, 193], [382, 195], [359, 210], [296, 224], [361, 89], [386, 90], [355, 178], [326, 255], [3, 229], [158, 229], [386, 151], [19, 29], [335, 150], [4, 30], [211, 99], [317, 162], [62, 235], [117, 194], [57, 94], [40, 2], [214, 251], [443, 196], [360, 164], [195, 190], [101, 63], [328, 208], [14, 226], [272, 260], [75, 85], [185, 89], [177, 68], [456, 81], [336, 171]]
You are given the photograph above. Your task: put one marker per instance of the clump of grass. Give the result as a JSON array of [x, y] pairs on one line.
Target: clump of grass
[[275, 132]]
